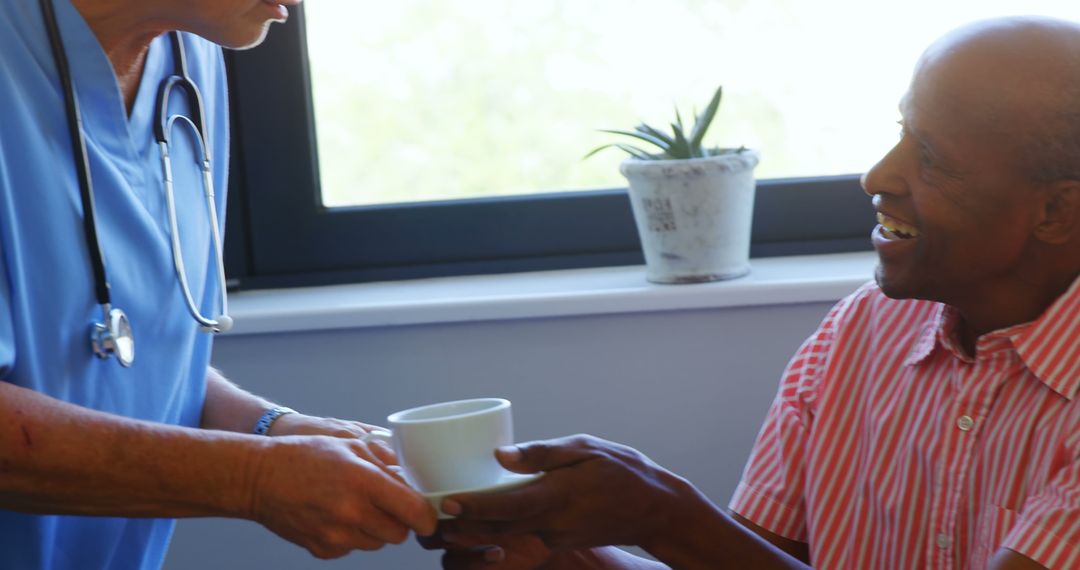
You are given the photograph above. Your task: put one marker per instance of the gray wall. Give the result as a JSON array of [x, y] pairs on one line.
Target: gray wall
[[687, 388]]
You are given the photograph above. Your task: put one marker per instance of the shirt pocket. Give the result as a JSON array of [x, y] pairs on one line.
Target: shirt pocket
[[991, 529]]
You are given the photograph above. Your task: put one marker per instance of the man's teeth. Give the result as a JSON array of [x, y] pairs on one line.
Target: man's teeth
[[896, 227]]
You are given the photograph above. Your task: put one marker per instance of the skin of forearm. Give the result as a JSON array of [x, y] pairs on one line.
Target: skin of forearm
[[59, 458], [228, 407], [606, 558], [700, 536]]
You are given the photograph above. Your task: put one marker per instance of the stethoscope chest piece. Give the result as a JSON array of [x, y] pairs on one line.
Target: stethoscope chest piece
[[114, 338]]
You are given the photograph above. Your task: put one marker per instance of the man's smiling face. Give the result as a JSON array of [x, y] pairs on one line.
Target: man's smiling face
[[954, 196]]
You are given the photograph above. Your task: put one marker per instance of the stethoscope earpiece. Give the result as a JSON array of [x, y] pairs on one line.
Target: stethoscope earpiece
[[225, 323], [221, 324]]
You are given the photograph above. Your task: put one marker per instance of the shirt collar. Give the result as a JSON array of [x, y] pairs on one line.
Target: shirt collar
[[1049, 346], [927, 339]]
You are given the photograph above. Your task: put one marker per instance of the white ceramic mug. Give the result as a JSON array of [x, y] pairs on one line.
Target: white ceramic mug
[[450, 446]]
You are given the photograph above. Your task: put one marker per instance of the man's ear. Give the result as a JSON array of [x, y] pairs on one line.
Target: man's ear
[[1060, 212]]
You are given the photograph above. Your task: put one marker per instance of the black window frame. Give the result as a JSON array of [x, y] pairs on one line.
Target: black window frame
[[280, 235]]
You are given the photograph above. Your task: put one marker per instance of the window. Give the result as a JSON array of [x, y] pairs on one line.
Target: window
[[420, 100], [425, 137]]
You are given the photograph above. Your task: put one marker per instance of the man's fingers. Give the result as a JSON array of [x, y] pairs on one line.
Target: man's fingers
[[463, 559], [480, 557], [459, 541], [440, 541], [434, 542], [464, 527], [525, 502], [546, 455]]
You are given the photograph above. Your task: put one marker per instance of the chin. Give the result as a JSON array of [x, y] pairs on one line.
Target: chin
[[243, 38], [891, 286], [912, 285]]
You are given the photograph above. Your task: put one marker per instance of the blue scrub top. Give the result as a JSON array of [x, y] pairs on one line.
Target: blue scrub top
[[47, 301]]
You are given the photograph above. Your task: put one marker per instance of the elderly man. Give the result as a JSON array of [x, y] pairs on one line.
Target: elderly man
[[933, 420], [96, 458]]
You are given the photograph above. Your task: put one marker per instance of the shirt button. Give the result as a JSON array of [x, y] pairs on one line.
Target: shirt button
[[943, 541], [965, 423]]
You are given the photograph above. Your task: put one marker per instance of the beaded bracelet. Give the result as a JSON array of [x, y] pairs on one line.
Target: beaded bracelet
[[262, 427]]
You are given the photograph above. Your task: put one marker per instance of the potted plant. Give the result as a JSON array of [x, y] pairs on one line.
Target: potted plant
[[692, 205]]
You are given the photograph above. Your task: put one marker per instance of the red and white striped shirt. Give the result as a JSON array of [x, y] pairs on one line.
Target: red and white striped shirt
[[888, 447]]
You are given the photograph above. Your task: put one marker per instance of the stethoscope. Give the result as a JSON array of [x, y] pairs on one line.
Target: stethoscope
[[113, 335]]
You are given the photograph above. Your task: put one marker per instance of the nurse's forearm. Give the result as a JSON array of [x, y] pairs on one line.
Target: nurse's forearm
[[60, 458], [228, 407]]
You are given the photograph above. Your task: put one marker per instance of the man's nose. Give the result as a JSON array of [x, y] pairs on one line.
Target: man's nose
[[885, 177]]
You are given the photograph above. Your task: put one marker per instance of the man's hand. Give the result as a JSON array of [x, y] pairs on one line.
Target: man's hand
[[528, 552], [595, 493], [333, 495], [507, 552]]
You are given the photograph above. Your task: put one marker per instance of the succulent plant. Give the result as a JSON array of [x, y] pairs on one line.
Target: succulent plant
[[676, 145]]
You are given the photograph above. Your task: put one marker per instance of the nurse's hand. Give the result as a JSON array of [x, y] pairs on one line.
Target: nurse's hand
[[303, 424], [594, 493], [333, 495]]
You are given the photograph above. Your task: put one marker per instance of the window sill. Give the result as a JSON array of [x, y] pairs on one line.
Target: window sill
[[576, 292]]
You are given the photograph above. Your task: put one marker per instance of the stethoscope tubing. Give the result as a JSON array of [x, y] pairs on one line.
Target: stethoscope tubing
[[208, 324], [163, 126], [113, 335], [82, 162]]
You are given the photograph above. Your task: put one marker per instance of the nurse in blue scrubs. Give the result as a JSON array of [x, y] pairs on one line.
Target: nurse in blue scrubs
[[96, 459]]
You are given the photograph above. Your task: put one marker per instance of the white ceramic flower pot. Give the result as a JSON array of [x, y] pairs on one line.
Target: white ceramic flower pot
[[694, 215]]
